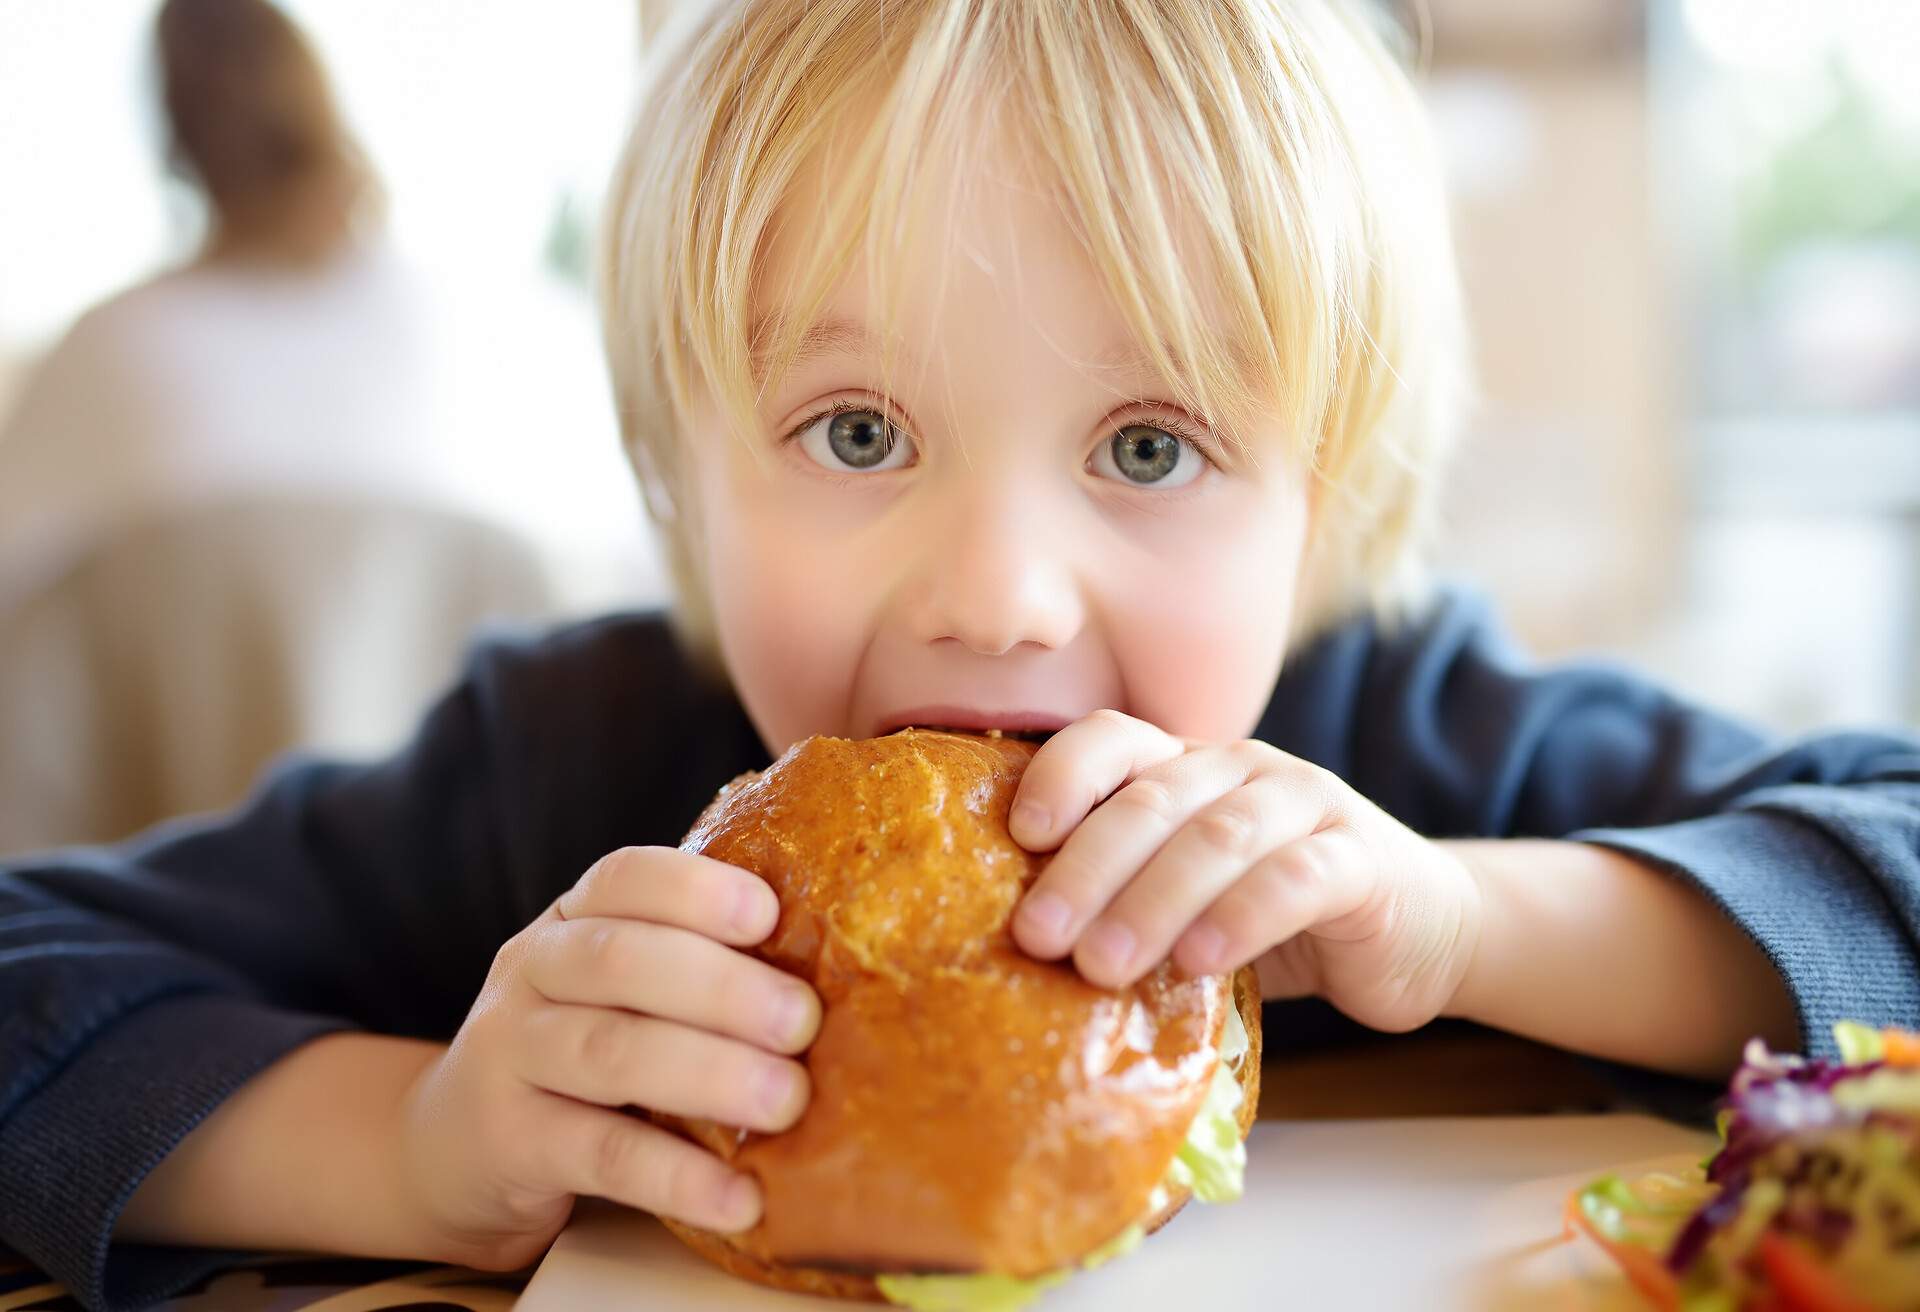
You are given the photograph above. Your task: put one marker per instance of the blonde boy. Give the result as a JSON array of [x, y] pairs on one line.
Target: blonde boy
[[1082, 366]]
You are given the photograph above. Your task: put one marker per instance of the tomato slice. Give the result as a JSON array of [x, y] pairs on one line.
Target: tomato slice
[[1797, 1275]]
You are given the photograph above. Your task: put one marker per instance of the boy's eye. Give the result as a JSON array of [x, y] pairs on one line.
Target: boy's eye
[[855, 440], [1148, 457]]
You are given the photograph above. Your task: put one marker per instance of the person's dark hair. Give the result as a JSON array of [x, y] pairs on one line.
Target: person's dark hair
[[251, 123]]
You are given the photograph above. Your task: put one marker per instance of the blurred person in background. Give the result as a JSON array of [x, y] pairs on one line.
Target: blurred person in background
[[290, 354], [231, 518], [254, 126]]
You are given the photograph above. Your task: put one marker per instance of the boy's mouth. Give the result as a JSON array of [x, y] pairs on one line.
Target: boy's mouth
[[1025, 735], [1031, 726]]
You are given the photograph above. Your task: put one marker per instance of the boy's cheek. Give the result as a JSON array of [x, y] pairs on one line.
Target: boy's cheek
[[788, 630], [1201, 651]]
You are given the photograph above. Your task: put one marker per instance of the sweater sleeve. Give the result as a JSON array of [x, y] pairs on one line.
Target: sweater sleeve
[[1811, 846], [141, 984]]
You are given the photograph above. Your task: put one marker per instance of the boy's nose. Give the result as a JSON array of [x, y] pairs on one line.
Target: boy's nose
[[996, 578]]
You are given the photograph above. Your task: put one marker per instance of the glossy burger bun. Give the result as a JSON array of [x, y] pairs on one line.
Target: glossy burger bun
[[973, 1110]]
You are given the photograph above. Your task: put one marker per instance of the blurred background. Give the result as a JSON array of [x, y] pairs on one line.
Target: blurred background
[[1690, 231], [1691, 239]]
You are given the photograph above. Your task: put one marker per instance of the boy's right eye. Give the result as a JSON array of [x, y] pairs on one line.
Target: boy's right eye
[[854, 440]]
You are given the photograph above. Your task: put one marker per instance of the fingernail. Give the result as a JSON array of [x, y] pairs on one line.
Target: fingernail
[[775, 1086], [1110, 944], [790, 1014], [750, 906], [1205, 946], [1031, 819], [740, 1201], [1047, 913]]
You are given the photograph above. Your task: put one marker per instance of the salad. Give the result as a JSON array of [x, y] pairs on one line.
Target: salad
[[1811, 1203]]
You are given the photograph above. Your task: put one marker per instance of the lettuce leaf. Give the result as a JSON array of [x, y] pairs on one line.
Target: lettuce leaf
[[1858, 1043], [993, 1293], [1213, 1160], [970, 1293]]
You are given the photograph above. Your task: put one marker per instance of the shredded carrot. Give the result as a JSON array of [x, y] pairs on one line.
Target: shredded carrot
[[1902, 1047], [1645, 1269]]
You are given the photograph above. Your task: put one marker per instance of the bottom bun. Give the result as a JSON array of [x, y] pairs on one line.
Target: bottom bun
[[826, 1282]]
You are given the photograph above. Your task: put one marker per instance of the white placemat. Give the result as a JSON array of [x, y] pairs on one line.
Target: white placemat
[[1426, 1214]]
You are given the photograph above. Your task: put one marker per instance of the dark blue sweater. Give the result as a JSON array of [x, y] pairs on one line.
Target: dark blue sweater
[[143, 983]]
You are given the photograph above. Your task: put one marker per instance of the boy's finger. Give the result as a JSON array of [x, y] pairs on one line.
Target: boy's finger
[[674, 973], [672, 887], [1108, 847], [1078, 767], [598, 1153], [599, 1055], [1306, 885], [1200, 861]]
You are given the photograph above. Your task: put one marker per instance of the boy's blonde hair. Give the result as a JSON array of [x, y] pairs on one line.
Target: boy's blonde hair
[[1254, 180]]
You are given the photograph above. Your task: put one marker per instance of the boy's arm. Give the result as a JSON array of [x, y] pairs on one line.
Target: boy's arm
[[1807, 850], [142, 985], [1579, 945], [303, 1156]]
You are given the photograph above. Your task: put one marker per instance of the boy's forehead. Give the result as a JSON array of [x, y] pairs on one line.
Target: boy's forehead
[[986, 240], [838, 334]]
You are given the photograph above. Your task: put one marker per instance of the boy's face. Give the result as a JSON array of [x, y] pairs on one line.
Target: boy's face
[[995, 557]]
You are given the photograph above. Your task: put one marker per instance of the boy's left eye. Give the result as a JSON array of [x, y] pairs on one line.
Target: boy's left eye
[[1146, 456], [855, 440]]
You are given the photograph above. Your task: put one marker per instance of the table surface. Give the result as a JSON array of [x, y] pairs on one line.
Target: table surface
[[1440, 1214], [1427, 1075]]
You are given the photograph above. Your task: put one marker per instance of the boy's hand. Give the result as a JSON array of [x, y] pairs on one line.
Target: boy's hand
[[628, 991], [1221, 854]]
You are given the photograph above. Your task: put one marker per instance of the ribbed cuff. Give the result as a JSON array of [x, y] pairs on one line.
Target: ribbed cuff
[[1814, 907], [72, 1155]]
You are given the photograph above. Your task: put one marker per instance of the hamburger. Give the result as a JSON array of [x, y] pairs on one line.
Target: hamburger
[[982, 1124]]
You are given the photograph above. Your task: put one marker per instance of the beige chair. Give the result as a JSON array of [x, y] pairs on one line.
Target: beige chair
[[160, 673]]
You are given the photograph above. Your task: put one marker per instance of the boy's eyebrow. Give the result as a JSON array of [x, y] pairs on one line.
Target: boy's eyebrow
[[823, 337], [840, 336]]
